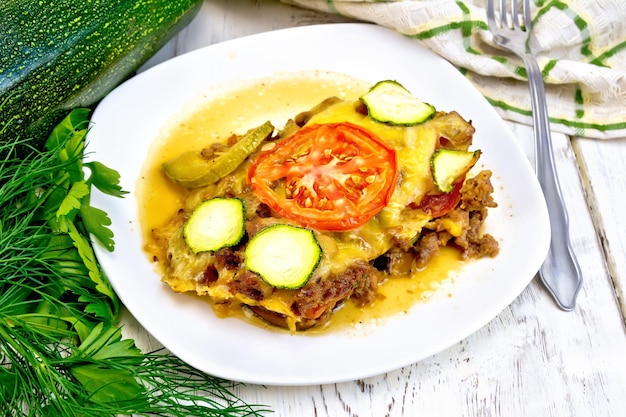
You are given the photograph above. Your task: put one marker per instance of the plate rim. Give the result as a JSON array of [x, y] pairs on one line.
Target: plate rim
[[287, 379]]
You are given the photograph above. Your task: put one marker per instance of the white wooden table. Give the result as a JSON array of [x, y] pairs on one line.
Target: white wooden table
[[532, 359]]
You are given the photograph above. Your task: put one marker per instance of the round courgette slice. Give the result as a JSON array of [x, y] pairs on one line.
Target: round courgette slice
[[389, 102], [449, 166], [285, 256], [215, 224]]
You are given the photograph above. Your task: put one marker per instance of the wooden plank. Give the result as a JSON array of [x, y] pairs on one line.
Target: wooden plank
[[602, 166]]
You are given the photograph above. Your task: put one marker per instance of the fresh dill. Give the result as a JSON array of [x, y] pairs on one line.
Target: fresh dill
[[61, 348]]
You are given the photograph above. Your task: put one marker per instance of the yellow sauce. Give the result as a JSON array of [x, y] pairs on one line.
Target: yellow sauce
[[399, 294], [248, 105]]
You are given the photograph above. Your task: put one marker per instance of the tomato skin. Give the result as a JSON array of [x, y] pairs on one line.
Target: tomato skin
[[331, 177], [436, 205]]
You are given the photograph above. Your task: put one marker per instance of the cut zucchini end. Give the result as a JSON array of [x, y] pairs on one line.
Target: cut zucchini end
[[449, 166], [390, 102], [191, 170], [283, 255], [215, 224]]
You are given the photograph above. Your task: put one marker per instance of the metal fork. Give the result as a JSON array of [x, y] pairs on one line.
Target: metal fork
[[560, 271]]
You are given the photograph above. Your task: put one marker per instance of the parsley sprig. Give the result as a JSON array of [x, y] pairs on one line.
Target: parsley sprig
[[61, 347]]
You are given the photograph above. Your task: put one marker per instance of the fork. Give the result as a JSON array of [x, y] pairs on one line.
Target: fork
[[560, 271]]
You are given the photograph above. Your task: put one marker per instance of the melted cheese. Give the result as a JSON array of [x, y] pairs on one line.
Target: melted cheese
[[414, 147], [340, 250]]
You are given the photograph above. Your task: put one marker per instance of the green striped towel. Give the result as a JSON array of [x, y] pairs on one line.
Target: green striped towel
[[581, 51]]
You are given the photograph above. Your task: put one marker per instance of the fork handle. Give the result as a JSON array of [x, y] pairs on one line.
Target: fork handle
[[560, 271]]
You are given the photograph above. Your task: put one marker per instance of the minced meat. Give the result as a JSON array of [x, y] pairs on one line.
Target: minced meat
[[471, 212]]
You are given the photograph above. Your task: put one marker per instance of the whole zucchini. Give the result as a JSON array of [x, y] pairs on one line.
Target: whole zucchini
[[62, 54]]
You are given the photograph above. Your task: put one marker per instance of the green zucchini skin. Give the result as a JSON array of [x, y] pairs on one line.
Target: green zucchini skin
[[57, 55]]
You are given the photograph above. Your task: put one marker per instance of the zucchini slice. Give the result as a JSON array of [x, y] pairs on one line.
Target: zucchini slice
[[389, 102], [449, 166], [284, 256], [191, 170], [215, 224]]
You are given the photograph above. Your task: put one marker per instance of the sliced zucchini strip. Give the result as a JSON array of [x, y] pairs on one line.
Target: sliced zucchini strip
[[449, 166], [215, 224], [284, 256], [190, 169], [389, 102]]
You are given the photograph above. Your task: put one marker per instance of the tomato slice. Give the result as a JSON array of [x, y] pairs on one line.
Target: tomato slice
[[439, 204], [333, 176]]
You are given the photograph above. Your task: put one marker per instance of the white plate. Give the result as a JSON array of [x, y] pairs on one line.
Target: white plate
[[129, 118]]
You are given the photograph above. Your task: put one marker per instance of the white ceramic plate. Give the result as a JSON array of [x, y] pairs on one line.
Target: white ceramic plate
[[128, 119]]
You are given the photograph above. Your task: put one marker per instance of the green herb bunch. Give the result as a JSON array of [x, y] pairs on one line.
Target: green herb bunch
[[61, 348]]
